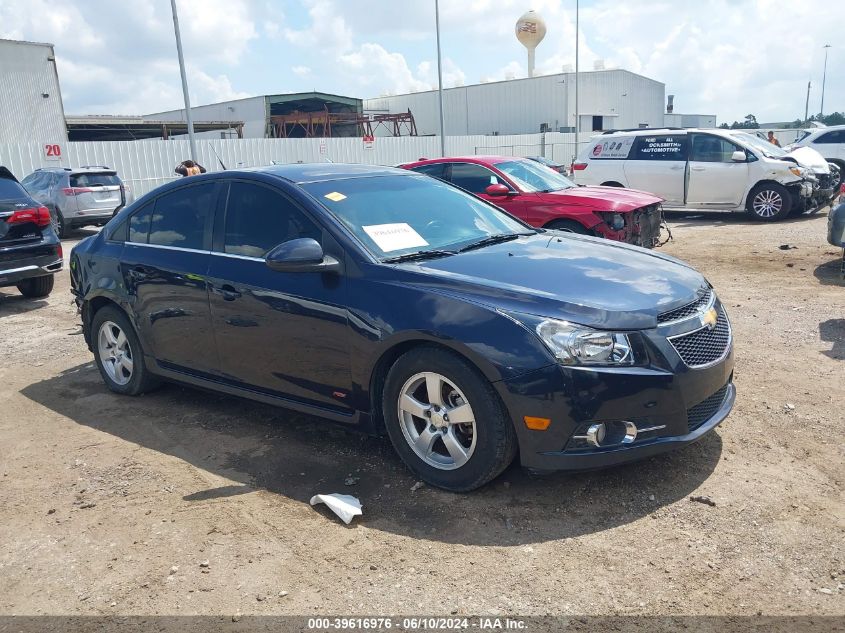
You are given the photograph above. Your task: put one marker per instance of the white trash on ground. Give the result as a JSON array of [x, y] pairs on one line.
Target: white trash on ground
[[345, 506]]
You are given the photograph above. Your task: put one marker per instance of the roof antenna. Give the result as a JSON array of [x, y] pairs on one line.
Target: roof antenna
[[218, 156]]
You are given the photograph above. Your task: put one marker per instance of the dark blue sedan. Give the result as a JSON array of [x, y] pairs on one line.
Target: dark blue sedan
[[393, 302]]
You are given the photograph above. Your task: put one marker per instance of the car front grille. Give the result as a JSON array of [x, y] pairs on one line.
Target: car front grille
[[686, 311], [703, 411], [645, 229], [705, 345]]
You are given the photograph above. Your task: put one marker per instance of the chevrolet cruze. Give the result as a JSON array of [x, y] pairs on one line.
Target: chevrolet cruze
[[393, 302]]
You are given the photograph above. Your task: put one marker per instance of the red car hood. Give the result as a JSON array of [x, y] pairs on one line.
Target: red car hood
[[603, 198]]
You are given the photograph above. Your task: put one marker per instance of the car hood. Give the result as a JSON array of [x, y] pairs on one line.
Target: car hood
[[581, 279], [810, 158], [603, 198]]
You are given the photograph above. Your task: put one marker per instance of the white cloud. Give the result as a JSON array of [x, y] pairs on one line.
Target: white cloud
[[372, 62], [302, 71]]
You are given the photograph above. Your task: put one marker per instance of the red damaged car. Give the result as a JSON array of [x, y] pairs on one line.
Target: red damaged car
[[544, 198]]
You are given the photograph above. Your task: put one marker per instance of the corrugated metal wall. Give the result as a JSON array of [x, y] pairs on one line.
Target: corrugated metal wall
[[27, 72], [251, 111], [521, 106], [145, 165]]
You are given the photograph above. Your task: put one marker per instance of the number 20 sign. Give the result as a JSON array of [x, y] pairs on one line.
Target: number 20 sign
[[53, 151]]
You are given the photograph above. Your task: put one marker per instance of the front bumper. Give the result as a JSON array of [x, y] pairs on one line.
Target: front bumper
[[663, 396], [642, 227]]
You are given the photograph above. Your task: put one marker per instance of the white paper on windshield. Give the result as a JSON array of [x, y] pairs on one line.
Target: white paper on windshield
[[394, 237]]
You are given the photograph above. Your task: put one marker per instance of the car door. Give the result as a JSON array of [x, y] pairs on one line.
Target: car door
[[476, 178], [164, 265], [831, 144], [282, 333], [657, 164], [715, 180]]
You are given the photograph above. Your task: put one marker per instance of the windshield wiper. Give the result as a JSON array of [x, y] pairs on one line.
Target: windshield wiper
[[492, 239], [425, 254]]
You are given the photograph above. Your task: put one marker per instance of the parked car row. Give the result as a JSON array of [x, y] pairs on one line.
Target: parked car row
[[710, 169]]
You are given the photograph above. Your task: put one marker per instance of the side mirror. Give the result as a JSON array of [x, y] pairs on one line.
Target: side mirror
[[739, 157], [497, 190], [302, 255]]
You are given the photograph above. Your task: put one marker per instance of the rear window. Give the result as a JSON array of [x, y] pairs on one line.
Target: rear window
[[105, 179], [11, 189]]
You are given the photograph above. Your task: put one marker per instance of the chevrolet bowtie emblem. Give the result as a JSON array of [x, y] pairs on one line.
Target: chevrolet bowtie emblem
[[709, 318]]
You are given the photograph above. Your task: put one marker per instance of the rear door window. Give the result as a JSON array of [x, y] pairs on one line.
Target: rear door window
[[473, 178], [139, 224], [105, 179], [660, 147], [259, 218], [181, 217]]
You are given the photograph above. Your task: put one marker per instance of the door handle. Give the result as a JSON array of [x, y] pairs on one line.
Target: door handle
[[698, 168], [229, 293], [676, 167]]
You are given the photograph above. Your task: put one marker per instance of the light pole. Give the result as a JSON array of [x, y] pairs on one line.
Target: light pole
[[577, 113], [188, 115], [824, 76], [439, 79]]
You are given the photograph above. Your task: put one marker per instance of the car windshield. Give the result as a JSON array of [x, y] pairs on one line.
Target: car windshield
[[533, 177], [772, 151], [804, 135], [400, 215]]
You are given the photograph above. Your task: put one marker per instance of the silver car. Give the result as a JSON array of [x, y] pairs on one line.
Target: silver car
[[78, 197]]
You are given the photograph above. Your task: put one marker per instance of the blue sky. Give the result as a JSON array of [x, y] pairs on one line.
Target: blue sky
[[728, 57]]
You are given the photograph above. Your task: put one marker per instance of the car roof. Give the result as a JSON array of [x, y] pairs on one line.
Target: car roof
[[88, 169], [480, 159], [321, 172]]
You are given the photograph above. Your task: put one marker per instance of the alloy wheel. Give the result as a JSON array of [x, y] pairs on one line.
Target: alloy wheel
[[767, 203], [437, 421], [115, 353]]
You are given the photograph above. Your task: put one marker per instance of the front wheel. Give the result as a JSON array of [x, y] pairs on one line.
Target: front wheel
[[446, 421], [568, 226], [769, 202]]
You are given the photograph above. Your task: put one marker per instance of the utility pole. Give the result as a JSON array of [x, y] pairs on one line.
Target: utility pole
[[807, 105], [577, 112], [188, 115], [440, 79], [824, 76]]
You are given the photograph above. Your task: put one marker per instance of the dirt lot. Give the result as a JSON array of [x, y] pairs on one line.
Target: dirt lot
[[113, 505]]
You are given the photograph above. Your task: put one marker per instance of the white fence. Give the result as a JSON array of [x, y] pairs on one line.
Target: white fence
[[144, 165]]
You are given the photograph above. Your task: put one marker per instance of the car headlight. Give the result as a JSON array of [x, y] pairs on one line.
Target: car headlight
[[578, 345]]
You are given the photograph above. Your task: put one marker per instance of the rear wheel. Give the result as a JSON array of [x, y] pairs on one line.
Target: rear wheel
[[59, 224], [36, 287], [570, 226], [769, 202], [118, 353], [446, 421]]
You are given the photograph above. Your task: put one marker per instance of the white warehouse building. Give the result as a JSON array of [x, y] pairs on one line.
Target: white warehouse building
[[608, 99], [30, 98]]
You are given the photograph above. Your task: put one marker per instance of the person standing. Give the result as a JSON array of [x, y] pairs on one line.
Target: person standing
[[772, 139], [189, 168]]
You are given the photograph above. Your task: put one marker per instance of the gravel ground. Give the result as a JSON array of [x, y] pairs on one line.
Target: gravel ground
[[184, 502]]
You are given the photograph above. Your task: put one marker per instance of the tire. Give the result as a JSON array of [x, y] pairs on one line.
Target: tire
[[59, 224], [569, 226], [37, 287], [482, 446], [841, 165], [769, 202], [133, 379]]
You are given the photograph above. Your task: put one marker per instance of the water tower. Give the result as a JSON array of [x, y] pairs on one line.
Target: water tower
[[530, 31]]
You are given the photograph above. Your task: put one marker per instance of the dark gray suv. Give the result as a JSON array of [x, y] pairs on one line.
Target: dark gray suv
[[83, 196]]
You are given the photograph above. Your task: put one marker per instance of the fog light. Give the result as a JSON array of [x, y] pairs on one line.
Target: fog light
[[611, 433], [596, 434]]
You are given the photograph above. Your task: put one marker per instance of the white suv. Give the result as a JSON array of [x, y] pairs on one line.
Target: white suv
[[698, 169], [827, 141]]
